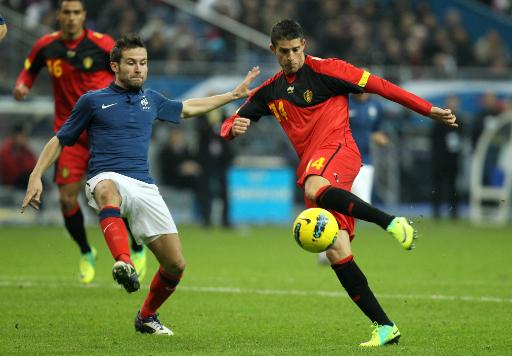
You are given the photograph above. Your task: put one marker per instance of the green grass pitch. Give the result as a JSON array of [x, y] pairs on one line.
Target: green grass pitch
[[253, 291]]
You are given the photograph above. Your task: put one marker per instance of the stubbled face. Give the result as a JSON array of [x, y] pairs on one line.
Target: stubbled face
[[132, 71], [290, 54], [71, 17]]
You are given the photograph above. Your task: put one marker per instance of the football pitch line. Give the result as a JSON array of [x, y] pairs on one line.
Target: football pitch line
[[46, 282]]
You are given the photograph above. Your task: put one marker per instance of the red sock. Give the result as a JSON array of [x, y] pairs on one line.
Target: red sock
[[116, 234], [162, 286]]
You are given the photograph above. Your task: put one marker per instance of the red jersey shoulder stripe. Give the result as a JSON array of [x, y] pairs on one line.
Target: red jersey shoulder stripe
[[40, 44], [339, 69]]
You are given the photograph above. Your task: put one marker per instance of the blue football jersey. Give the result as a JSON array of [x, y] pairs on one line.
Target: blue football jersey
[[119, 123], [365, 119]]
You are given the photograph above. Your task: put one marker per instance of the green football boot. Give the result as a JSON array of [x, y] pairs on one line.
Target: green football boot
[[382, 335], [403, 232], [139, 262], [88, 266]]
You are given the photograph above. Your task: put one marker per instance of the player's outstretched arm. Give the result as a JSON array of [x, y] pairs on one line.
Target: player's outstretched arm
[[50, 153], [444, 116], [199, 106]]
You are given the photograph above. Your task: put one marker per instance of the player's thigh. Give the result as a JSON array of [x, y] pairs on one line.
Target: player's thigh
[[71, 166], [341, 248], [167, 250], [70, 191], [334, 165]]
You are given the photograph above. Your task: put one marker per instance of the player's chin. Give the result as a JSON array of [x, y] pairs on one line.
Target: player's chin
[[136, 83]]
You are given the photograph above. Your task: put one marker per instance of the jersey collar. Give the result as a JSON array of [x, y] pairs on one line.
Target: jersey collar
[[121, 90]]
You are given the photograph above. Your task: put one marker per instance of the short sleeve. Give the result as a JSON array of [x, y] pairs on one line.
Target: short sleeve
[[78, 121], [167, 109]]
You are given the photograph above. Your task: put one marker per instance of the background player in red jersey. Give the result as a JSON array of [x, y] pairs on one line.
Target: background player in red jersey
[[77, 60], [309, 98]]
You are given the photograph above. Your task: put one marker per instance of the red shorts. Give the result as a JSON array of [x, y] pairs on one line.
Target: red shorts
[[339, 164], [72, 163]]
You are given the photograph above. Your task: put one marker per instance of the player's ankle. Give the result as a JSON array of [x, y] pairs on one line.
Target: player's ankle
[[124, 258]]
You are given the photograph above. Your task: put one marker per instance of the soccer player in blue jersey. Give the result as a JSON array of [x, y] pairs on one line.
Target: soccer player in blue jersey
[[119, 122], [366, 115]]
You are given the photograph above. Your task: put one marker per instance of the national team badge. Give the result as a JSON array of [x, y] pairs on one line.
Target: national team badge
[[290, 89], [70, 54], [308, 96], [64, 173], [88, 61], [144, 103]]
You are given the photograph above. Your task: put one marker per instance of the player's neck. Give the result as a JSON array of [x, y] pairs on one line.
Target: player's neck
[[120, 85], [72, 36]]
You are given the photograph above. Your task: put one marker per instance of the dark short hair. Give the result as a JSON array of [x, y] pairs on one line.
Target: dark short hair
[[128, 41], [286, 30], [59, 4]]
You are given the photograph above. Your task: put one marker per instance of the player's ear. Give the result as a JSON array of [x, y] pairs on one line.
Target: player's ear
[[114, 66], [272, 48]]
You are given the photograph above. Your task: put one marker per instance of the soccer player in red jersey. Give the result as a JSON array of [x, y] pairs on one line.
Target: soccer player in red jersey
[[77, 60], [309, 99]]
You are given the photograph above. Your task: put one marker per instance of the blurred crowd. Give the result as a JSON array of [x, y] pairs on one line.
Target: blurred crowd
[[500, 6], [393, 32], [366, 33]]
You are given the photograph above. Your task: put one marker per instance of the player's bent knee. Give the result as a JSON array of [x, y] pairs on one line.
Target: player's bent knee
[[313, 185], [175, 268], [68, 202], [107, 195]]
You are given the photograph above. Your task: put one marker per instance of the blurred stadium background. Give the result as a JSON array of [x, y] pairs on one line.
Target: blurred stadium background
[[433, 48], [241, 295]]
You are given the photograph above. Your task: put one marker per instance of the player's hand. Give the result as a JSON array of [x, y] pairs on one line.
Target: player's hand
[[242, 90], [380, 138], [444, 116], [3, 31], [20, 92], [33, 194], [240, 126]]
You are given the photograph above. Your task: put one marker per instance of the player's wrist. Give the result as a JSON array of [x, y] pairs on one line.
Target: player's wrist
[[233, 95]]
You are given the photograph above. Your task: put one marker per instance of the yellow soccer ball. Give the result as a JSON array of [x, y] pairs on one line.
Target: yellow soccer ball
[[315, 229]]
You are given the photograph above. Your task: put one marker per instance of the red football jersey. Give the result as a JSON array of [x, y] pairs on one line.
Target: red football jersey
[[75, 67], [312, 105]]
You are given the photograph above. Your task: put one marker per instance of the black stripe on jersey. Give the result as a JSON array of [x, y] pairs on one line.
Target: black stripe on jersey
[[86, 57], [309, 88], [330, 159]]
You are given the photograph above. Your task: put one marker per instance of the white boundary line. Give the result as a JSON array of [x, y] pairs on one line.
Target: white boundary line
[[38, 282]]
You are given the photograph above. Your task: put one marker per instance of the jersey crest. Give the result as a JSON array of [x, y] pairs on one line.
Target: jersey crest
[[88, 62], [144, 104], [308, 96]]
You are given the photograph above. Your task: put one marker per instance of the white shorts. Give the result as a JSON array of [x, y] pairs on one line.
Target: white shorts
[[363, 184], [141, 204]]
